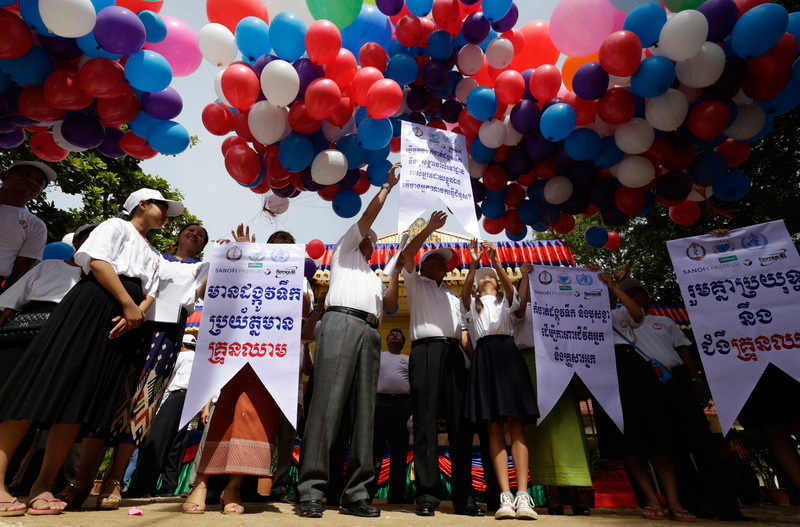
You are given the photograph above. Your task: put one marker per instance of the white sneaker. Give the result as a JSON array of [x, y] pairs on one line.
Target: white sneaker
[[506, 509], [524, 506]]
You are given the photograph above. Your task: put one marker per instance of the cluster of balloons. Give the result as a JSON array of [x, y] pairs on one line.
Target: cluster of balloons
[[73, 72], [654, 103]]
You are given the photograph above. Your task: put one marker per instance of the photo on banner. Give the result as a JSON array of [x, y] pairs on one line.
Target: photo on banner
[[742, 294], [252, 315], [434, 165], [573, 336]]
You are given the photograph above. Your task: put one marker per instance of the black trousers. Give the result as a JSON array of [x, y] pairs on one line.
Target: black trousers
[[391, 426], [438, 378]]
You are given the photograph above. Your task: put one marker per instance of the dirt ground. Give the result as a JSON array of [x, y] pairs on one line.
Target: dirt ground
[[166, 512]]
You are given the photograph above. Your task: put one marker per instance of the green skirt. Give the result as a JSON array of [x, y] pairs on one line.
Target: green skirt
[[557, 447]]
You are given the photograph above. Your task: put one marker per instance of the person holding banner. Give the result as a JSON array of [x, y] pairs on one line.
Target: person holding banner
[[499, 388], [347, 361]]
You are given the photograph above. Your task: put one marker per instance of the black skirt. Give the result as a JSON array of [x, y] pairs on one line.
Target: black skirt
[[499, 384], [72, 372]]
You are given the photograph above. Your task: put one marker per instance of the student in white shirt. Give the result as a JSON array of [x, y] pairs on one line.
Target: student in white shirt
[[74, 370]]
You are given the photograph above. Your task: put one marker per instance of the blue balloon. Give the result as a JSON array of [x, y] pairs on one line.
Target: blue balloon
[[654, 77], [646, 21], [89, 45], [346, 203], [142, 124], [557, 122], [168, 137], [784, 102], [360, 115], [494, 10], [30, 69], [378, 173], [529, 213], [154, 26], [582, 144], [419, 7], [29, 9], [596, 236], [480, 152], [518, 237], [609, 154], [349, 146], [319, 141], [57, 250], [764, 130], [377, 156], [374, 134], [707, 167], [369, 26], [440, 45], [296, 152], [252, 37], [288, 36], [482, 103], [402, 69], [99, 4], [793, 26], [731, 186], [488, 40], [650, 202], [396, 47], [493, 208], [758, 30], [147, 70]]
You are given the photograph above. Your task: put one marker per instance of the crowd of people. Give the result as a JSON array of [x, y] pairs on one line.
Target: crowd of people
[[86, 362]]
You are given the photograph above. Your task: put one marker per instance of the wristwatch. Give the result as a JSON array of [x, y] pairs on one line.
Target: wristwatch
[[386, 187]]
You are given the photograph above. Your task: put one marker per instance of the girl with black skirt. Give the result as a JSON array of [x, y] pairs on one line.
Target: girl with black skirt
[[499, 388], [72, 372]]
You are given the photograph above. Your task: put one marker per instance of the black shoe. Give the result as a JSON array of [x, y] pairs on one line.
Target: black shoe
[[402, 500], [580, 510], [311, 509], [425, 509], [288, 497], [360, 508], [470, 509], [735, 516], [558, 510]]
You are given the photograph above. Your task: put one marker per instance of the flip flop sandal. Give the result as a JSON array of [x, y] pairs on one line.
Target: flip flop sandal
[[681, 515], [12, 512], [43, 511], [652, 513]]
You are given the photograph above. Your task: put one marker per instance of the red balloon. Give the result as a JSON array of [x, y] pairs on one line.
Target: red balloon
[[397, 16], [735, 152], [243, 164], [394, 145], [686, 213], [446, 13], [516, 195], [680, 159], [616, 106], [494, 73], [428, 27], [527, 179], [141, 5], [342, 69], [230, 12], [545, 82], [455, 28], [585, 111], [119, 110], [323, 41], [240, 85], [217, 118], [746, 5], [343, 112], [538, 48], [660, 151], [509, 87], [135, 146], [630, 201], [315, 249], [372, 54], [613, 241], [765, 88], [384, 98], [327, 193], [708, 119], [493, 226], [410, 31], [241, 126], [516, 37], [261, 188], [15, 39], [620, 53], [777, 59], [469, 125], [565, 223], [103, 78], [322, 98], [362, 82], [230, 142], [482, 76], [33, 104], [300, 121], [502, 153], [512, 223], [590, 211], [62, 90], [545, 169], [44, 146], [495, 178], [363, 183]]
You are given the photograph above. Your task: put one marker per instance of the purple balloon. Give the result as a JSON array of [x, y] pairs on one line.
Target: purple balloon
[[350, 179], [576, 203], [308, 182], [475, 28], [82, 131], [526, 76], [538, 147], [582, 174], [721, 16], [731, 79], [561, 156], [590, 81], [434, 74], [12, 139], [418, 98], [450, 63], [451, 109], [525, 116], [119, 30], [417, 118], [613, 217], [307, 71], [389, 7], [110, 145], [165, 104], [310, 268], [508, 21], [478, 190], [7, 125], [674, 185], [551, 102], [61, 47], [601, 193], [263, 60], [289, 191], [519, 162], [8, 100], [21, 120]]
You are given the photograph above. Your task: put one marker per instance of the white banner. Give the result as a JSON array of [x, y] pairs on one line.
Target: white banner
[[252, 314], [434, 166], [742, 293], [573, 335]]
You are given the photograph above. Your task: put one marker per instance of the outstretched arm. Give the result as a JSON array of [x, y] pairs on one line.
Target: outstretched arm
[[474, 258], [390, 298], [375, 206], [508, 287], [436, 221], [524, 289]]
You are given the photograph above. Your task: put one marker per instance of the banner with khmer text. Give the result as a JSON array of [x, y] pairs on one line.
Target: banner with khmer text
[[742, 293]]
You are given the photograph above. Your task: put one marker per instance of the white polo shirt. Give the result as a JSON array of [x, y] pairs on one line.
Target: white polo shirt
[[393, 376], [353, 283], [622, 321], [658, 337], [47, 282], [21, 234], [434, 310]]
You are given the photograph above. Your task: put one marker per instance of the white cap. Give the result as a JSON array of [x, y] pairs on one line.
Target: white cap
[[49, 173], [485, 271], [189, 341], [174, 208], [444, 252]]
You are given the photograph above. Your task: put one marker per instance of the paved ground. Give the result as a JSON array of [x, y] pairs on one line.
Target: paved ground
[[166, 513]]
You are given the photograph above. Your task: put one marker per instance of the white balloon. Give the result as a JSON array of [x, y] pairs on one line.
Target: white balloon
[[333, 133], [557, 190], [267, 122], [499, 53], [58, 138], [280, 82], [512, 136], [635, 136], [277, 204], [683, 35], [699, 193], [68, 18], [217, 44], [750, 119], [667, 111], [463, 88], [492, 133], [704, 68], [470, 59], [476, 169], [218, 88], [328, 167], [635, 171]]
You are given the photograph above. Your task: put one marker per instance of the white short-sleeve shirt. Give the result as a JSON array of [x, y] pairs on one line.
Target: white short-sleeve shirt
[[623, 322], [496, 316], [658, 337], [353, 283], [117, 242], [393, 376], [435, 310], [47, 282], [21, 234]]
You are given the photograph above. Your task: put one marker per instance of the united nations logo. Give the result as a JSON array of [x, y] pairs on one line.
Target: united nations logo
[[234, 254], [754, 240], [279, 255], [696, 252], [584, 279], [564, 279], [257, 255], [545, 278], [723, 246]]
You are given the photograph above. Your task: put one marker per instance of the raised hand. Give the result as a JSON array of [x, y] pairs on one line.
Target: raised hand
[[243, 235], [394, 175], [474, 251], [491, 250], [620, 275], [437, 220], [526, 269]]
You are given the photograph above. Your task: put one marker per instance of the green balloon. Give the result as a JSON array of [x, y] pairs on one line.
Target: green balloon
[[682, 5], [340, 12]]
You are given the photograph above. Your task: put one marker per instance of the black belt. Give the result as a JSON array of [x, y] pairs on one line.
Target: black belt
[[369, 318], [430, 340], [394, 395]]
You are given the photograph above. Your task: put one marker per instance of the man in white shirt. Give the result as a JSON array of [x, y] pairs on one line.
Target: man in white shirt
[[22, 235], [347, 357], [437, 374]]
